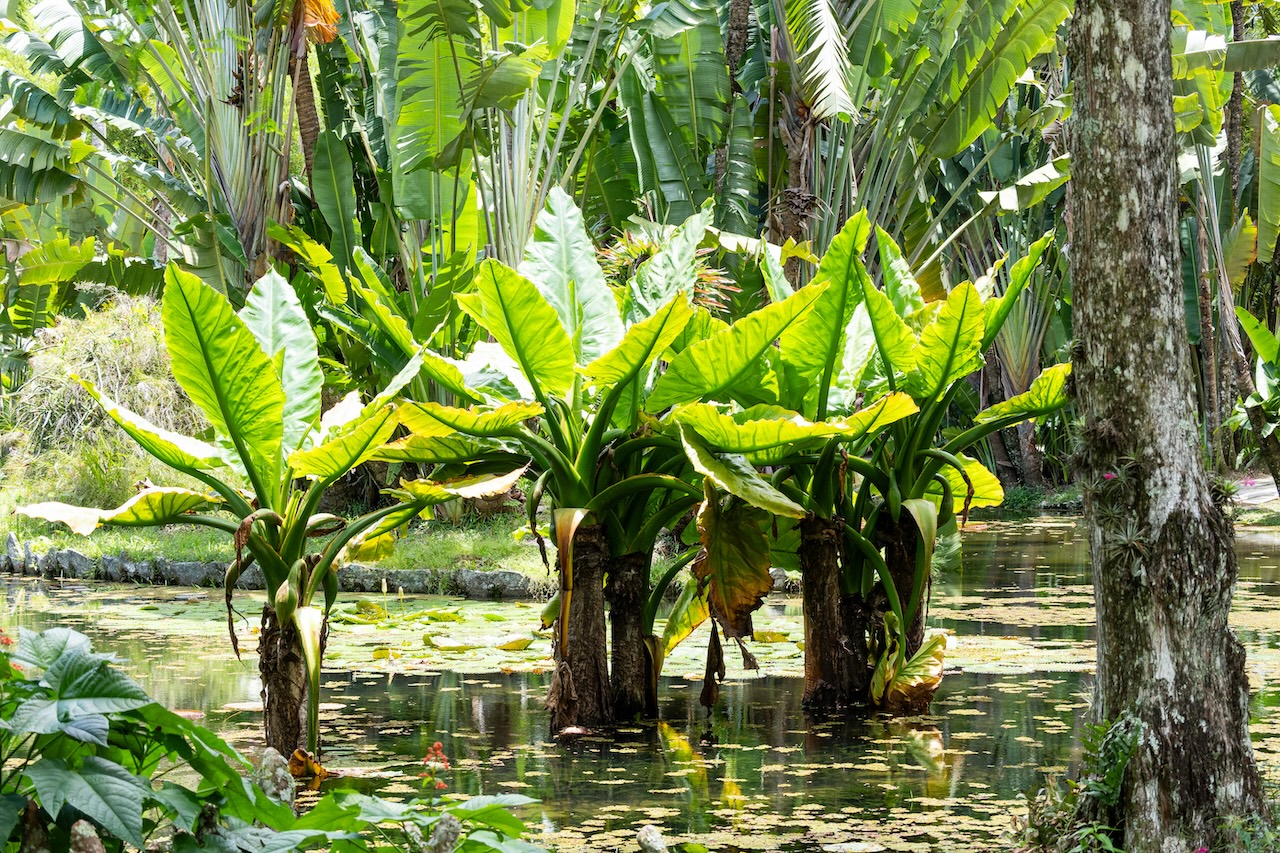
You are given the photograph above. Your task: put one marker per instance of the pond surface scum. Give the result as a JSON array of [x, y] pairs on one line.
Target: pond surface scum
[[404, 672]]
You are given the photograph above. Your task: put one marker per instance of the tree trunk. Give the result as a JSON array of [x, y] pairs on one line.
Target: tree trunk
[[284, 684], [1161, 549], [1032, 460], [1208, 357], [828, 651], [625, 590], [304, 97], [579, 693]]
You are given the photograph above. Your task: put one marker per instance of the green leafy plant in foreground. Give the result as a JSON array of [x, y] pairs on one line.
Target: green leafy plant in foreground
[[256, 377], [84, 751]]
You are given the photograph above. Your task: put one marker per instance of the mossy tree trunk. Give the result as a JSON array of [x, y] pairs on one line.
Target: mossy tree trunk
[[1161, 547]]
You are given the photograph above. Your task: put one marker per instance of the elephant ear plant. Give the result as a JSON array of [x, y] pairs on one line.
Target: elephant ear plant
[[257, 378], [856, 446]]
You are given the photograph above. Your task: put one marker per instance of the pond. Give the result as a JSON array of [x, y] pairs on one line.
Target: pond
[[405, 672]]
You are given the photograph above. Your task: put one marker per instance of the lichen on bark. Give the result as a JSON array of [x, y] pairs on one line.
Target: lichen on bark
[[1164, 568]]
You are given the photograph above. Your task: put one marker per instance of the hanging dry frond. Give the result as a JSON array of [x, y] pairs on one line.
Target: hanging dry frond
[[320, 17]]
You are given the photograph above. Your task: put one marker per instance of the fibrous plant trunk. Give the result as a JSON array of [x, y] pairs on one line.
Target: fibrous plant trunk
[[579, 694], [1161, 547], [625, 590], [284, 684], [828, 650], [900, 540]]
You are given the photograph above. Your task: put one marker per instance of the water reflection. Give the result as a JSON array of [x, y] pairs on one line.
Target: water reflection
[[756, 775]]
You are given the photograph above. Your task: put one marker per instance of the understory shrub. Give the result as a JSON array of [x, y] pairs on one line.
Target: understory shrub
[[85, 750], [61, 445]]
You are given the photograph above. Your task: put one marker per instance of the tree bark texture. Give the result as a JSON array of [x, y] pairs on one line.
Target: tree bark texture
[[1161, 548], [1208, 356], [829, 653], [284, 684], [579, 694], [625, 590]]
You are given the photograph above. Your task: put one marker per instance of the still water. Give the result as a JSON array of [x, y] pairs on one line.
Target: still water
[[755, 775]]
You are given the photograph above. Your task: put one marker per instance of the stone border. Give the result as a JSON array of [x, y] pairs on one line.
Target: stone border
[[21, 559]]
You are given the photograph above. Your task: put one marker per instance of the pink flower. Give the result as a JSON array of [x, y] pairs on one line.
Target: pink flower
[[1108, 476], [1247, 483]]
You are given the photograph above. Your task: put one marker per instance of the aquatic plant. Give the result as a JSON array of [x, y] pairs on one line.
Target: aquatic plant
[[863, 476], [256, 377]]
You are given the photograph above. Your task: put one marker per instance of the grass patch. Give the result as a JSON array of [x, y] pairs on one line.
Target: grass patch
[[1258, 515], [482, 544]]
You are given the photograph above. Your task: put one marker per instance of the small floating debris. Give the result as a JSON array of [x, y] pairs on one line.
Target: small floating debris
[[251, 707]]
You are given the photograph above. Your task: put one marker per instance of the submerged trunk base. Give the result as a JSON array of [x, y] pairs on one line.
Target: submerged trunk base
[[284, 684]]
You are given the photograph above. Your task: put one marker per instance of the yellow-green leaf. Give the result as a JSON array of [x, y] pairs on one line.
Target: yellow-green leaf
[[219, 363], [715, 365], [433, 419], [177, 451], [511, 309], [735, 475], [950, 347], [350, 448]]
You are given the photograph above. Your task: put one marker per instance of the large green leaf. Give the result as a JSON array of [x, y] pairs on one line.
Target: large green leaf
[[218, 362], [979, 82], [642, 343], [275, 316], [561, 262], [755, 429], [997, 308], [715, 365], [690, 75], [1264, 342], [1268, 180], [814, 348], [950, 347], [440, 450], [1047, 394], [100, 789], [434, 419], [900, 283], [175, 450], [880, 414], [894, 339], [735, 475], [987, 491], [511, 309], [81, 683], [734, 564], [333, 186], [46, 283], [153, 507], [355, 444]]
